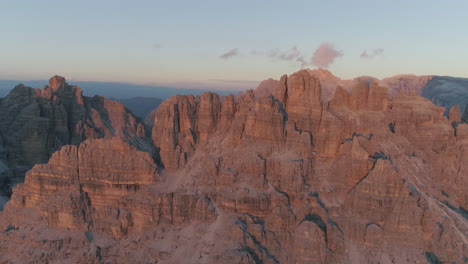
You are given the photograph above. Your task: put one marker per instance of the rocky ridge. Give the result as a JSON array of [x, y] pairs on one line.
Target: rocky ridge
[[441, 90], [289, 178], [34, 123]]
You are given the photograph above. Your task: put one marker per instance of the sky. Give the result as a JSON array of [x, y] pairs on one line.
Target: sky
[[229, 44]]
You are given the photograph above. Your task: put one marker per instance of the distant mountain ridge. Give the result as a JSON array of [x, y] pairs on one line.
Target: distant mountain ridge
[[443, 91], [141, 106], [114, 89]]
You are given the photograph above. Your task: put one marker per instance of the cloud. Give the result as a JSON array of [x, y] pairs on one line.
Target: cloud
[[325, 55], [156, 46], [288, 55], [372, 54], [303, 61], [230, 54], [293, 54]]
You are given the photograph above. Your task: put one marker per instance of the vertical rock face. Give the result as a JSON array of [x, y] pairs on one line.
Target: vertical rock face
[[454, 114], [34, 123], [363, 178], [465, 115], [93, 186]]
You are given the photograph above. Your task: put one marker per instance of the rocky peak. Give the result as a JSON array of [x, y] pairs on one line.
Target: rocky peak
[[323, 74], [57, 82], [35, 123], [266, 88]]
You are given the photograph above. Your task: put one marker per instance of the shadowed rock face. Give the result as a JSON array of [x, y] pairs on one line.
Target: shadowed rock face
[[35, 123], [465, 115], [363, 178], [447, 91]]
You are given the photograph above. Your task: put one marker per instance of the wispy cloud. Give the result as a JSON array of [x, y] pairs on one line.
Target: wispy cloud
[[325, 55], [372, 54], [288, 55], [293, 54], [230, 54], [156, 46]]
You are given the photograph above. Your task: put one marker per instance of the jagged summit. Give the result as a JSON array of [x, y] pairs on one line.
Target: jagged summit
[[442, 91], [57, 82], [34, 123], [323, 74]]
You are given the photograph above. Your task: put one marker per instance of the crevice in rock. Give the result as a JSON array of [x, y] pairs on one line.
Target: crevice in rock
[[460, 210], [259, 221], [260, 247], [322, 205], [432, 258], [413, 190], [316, 219], [373, 223], [376, 157], [381, 155], [371, 135], [455, 125], [251, 252], [442, 229], [211, 205], [319, 201], [265, 177], [288, 200], [391, 126]]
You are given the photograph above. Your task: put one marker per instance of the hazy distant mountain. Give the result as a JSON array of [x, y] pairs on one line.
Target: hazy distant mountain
[[141, 106], [7, 85], [113, 89]]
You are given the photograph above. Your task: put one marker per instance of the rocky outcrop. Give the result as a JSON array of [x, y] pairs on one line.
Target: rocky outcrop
[[363, 178], [35, 123]]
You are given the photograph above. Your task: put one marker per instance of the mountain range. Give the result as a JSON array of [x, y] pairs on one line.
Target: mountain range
[[305, 169]]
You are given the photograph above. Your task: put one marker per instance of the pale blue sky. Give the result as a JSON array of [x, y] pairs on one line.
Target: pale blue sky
[[179, 43]]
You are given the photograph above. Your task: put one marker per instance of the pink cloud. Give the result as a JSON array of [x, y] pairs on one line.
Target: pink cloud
[[325, 55]]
